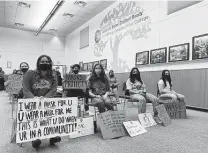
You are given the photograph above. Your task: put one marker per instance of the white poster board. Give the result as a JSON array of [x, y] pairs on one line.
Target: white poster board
[[134, 128], [46, 118], [146, 120]]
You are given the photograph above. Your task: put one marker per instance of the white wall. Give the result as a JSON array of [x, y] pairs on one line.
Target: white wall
[[166, 30], [18, 46]]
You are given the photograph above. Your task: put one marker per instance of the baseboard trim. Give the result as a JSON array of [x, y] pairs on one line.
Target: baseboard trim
[[198, 109]]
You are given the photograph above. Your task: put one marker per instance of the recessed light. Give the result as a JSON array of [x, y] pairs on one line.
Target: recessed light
[[68, 15], [80, 3], [19, 24], [22, 4], [53, 30]]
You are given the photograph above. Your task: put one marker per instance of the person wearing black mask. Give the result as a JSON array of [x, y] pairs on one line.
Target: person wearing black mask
[[165, 88], [137, 91], [75, 68], [113, 83], [24, 67], [41, 83], [1, 79]]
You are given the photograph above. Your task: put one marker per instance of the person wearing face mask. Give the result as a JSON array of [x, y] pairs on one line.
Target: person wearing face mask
[[24, 67], [41, 82], [113, 83], [165, 88], [1, 79], [137, 92]]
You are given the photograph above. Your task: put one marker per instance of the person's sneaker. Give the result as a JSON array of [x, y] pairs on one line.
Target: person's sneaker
[[54, 140], [157, 120], [36, 144]]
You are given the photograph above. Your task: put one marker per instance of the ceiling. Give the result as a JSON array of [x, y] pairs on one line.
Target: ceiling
[[32, 17]]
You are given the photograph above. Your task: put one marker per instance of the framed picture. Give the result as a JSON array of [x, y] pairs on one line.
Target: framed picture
[[90, 66], [94, 63], [179, 52], [104, 63], [158, 55], [200, 47], [85, 66], [9, 64], [81, 66], [142, 58]]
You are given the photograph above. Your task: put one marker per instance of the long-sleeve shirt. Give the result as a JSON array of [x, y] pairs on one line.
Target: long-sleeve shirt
[[34, 85]]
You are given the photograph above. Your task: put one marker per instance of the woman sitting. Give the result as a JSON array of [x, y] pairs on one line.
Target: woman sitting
[[99, 88], [41, 83], [113, 83], [137, 91], [165, 88]]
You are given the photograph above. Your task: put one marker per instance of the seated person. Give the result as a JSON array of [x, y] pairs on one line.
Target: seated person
[[137, 91], [113, 83], [41, 83], [99, 88], [1, 79], [74, 92], [59, 78], [165, 88]]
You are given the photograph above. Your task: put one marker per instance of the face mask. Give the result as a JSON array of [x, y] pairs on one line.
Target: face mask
[[44, 67], [134, 75], [76, 71], [24, 70]]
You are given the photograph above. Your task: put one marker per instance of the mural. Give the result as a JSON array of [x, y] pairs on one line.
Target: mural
[[125, 19]]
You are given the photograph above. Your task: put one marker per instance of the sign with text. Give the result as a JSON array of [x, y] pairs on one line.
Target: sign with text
[[134, 128], [46, 118], [111, 124], [74, 81], [15, 84], [146, 120], [85, 126], [176, 109], [163, 115]]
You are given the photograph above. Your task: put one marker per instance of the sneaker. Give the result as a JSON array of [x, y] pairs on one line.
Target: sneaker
[[157, 120], [36, 144], [54, 140]]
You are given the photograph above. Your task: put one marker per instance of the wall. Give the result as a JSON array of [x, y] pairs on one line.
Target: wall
[[18, 46], [165, 30]]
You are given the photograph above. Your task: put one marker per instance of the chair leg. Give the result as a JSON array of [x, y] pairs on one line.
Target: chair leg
[[124, 103]]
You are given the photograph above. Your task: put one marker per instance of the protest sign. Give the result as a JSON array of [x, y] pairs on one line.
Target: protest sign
[[163, 115], [45, 118], [175, 109], [146, 120], [15, 84], [134, 128], [74, 81], [111, 124], [85, 126]]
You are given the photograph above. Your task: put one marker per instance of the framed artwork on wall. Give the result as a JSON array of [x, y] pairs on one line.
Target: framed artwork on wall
[[142, 58], [104, 63], [200, 47], [85, 66], [90, 66], [94, 63], [158, 55], [178, 52], [81, 66], [9, 64]]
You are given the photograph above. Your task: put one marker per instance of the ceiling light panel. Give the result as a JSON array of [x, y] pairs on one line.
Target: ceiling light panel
[[24, 5], [80, 3]]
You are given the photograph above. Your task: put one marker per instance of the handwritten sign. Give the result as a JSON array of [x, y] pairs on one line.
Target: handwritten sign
[[111, 124], [85, 126], [163, 115], [74, 81], [46, 118], [146, 120], [15, 84], [175, 109], [134, 128]]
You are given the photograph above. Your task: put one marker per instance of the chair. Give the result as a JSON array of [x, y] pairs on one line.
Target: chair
[[126, 96]]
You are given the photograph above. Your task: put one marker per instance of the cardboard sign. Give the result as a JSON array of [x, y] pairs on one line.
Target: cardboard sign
[[15, 84], [134, 128], [85, 126], [111, 124], [146, 120], [163, 115], [46, 118], [74, 81], [175, 109]]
